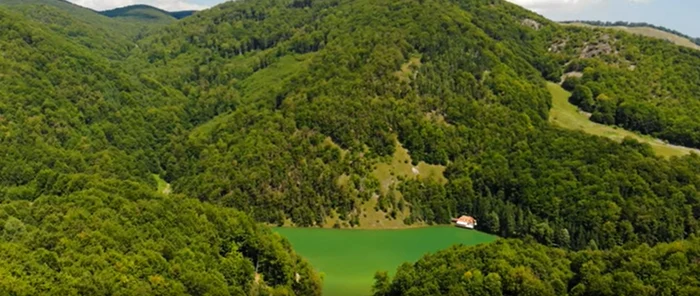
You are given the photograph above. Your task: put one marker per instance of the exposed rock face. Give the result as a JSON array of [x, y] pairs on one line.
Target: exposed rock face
[[531, 23], [594, 50], [571, 74], [601, 45], [558, 46]]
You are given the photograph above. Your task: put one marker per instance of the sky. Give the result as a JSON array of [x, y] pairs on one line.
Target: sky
[[675, 14]]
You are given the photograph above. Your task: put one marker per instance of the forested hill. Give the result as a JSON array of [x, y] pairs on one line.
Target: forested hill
[[314, 96], [145, 13], [511, 267], [182, 14], [79, 212], [637, 25], [291, 111], [659, 95], [74, 21]]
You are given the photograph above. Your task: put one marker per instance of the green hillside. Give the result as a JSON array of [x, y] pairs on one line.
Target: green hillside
[[140, 13], [79, 212], [182, 14], [646, 30], [300, 75], [569, 116], [512, 267], [60, 4], [97, 30], [639, 83], [324, 113]]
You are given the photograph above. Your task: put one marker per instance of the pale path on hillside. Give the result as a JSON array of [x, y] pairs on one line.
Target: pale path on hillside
[[567, 115]]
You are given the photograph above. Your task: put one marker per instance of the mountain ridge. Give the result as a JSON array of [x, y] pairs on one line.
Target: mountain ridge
[[146, 13], [646, 29]]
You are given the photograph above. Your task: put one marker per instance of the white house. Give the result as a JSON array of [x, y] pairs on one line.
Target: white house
[[465, 221]]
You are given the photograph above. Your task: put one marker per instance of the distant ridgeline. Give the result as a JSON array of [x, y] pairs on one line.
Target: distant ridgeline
[[695, 40], [182, 14], [145, 12]]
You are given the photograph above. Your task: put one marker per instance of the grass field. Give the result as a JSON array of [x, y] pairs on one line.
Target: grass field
[[163, 186], [349, 258], [567, 115], [400, 166], [390, 173]]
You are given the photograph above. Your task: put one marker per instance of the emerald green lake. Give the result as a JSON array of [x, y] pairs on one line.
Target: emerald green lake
[[349, 258]]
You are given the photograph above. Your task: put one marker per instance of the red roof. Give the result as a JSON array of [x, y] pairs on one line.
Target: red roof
[[467, 219]]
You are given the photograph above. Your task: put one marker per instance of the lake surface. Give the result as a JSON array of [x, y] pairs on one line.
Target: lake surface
[[349, 258]]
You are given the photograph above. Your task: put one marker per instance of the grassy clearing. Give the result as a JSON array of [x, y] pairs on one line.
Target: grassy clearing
[[390, 174], [654, 33], [567, 115], [349, 257], [408, 69], [401, 167], [163, 186], [371, 218]]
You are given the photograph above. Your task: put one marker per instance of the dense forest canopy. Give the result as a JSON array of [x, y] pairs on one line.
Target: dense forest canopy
[[87, 235], [140, 13], [79, 213], [146, 13], [97, 29], [285, 109], [182, 14], [514, 267]]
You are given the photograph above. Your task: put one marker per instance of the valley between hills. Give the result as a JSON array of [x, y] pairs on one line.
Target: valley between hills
[[323, 147]]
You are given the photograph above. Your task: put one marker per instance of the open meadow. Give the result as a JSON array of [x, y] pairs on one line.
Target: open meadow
[[566, 115]]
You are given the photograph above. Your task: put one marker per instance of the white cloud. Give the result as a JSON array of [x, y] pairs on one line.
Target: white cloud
[[169, 5]]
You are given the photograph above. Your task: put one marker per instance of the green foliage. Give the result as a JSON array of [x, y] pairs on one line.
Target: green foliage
[[513, 267], [182, 14], [650, 85], [103, 236], [240, 115], [94, 30], [297, 76], [79, 212], [282, 109], [143, 13], [583, 97], [634, 24]]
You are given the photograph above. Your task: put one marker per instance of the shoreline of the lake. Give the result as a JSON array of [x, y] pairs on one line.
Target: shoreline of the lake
[[349, 257], [366, 228]]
